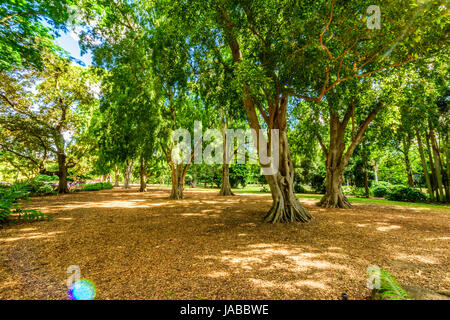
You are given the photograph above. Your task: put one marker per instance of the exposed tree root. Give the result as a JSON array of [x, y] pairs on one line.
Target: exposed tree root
[[226, 192], [335, 201], [282, 212]]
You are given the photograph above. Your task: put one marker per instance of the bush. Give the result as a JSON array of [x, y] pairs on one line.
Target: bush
[[98, 186], [405, 193], [298, 188], [239, 175], [318, 183], [107, 185], [379, 191], [36, 187], [354, 191]]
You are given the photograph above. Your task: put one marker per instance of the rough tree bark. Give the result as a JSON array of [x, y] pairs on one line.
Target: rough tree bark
[[433, 170], [62, 173], [225, 189], [127, 173], [438, 166], [116, 176], [337, 156], [194, 178], [285, 206], [143, 176], [178, 176], [366, 175], [425, 167], [446, 148], [408, 171]]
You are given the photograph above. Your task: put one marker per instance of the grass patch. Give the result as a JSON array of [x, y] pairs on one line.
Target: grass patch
[[257, 191]]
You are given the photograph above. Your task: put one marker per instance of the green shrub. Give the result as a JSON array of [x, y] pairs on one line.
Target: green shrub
[[107, 185], [239, 175], [98, 186], [405, 193], [298, 188], [379, 191], [318, 183], [354, 191], [39, 187], [45, 178], [9, 204]]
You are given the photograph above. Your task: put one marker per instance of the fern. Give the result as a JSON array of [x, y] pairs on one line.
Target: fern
[[390, 289], [9, 205]]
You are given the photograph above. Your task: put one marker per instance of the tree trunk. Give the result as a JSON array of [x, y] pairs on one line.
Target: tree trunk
[[334, 197], [127, 173], [143, 176], [62, 173], [448, 169], [194, 178], [335, 164], [285, 207], [438, 166], [178, 175], [226, 187], [433, 170], [408, 171], [425, 167], [366, 175], [116, 176]]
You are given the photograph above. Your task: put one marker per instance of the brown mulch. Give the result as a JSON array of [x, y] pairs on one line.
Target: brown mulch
[[143, 246]]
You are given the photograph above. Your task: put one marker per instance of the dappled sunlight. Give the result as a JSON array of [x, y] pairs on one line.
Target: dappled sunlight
[[34, 235], [218, 274], [437, 239], [221, 246], [193, 215], [292, 286], [388, 228], [295, 268], [27, 229], [417, 258]]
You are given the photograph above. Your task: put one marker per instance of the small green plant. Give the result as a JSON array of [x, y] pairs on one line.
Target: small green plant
[[98, 186], [298, 188], [9, 204], [379, 191], [389, 288], [405, 193]]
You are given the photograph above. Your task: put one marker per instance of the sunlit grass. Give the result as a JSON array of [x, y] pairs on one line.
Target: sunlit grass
[[257, 191]]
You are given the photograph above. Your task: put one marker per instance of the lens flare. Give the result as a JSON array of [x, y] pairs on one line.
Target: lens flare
[[82, 290]]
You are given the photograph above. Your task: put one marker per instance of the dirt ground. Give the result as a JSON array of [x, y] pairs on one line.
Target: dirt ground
[[143, 246]]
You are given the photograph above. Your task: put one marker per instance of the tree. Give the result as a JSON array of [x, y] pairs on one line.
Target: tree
[[270, 41], [282, 52], [37, 127], [27, 29]]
